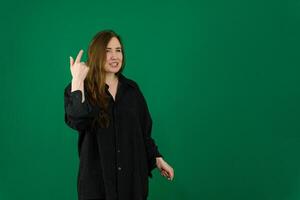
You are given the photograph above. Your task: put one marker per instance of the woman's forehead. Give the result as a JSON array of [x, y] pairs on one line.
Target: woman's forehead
[[114, 43]]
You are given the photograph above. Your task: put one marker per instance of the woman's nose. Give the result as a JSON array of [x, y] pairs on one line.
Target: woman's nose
[[113, 55]]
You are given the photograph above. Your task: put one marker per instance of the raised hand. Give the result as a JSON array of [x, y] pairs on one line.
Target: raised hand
[[78, 69]]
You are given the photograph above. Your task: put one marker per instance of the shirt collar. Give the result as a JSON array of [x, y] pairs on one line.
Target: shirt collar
[[127, 81], [123, 80]]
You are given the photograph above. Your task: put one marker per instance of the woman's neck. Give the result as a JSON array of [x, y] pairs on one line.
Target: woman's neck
[[111, 78]]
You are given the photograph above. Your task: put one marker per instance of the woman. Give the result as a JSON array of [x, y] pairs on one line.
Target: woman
[[111, 116]]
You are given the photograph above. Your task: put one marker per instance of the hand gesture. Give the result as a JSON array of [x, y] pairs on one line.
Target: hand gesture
[[78, 69]]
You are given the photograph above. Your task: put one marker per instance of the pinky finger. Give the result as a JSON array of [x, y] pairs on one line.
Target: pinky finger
[[71, 61]]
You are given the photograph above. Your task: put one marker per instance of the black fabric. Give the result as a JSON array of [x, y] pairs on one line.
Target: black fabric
[[115, 162]]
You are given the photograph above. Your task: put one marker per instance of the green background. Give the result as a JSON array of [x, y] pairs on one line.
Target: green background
[[221, 79]]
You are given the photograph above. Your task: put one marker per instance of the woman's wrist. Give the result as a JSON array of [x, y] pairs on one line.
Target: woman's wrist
[[77, 85], [159, 158]]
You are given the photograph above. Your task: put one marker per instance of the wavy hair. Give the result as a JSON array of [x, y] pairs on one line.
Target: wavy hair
[[95, 80]]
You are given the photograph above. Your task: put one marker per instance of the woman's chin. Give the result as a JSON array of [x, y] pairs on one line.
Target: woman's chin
[[113, 70]]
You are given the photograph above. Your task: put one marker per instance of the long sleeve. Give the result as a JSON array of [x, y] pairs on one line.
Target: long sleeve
[[78, 115], [146, 125]]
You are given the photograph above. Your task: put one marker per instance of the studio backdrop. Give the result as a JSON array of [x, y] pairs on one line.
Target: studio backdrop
[[221, 79]]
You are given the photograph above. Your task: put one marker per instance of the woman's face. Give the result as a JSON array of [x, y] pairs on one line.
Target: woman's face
[[114, 56]]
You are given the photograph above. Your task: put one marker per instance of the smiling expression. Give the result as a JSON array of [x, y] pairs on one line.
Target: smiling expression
[[114, 56]]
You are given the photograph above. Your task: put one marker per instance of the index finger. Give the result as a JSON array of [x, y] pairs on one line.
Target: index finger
[[78, 58]]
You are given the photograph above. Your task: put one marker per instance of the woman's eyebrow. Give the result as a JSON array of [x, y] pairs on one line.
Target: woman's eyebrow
[[115, 48]]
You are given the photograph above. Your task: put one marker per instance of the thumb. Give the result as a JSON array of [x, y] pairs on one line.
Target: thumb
[[71, 61]]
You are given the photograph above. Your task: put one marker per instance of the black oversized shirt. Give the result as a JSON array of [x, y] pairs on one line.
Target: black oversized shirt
[[115, 162]]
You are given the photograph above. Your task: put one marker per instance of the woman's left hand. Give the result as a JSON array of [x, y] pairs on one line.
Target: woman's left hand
[[165, 169]]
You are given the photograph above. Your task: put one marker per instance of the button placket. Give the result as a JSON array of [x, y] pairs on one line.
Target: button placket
[[116, 135]]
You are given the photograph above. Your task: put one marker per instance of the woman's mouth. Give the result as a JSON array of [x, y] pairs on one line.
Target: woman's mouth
[[114, 64]]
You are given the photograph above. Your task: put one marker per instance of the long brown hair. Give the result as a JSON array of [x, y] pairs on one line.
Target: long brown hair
[[95, 80]]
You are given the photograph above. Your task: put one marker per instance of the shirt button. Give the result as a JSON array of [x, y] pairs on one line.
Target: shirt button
[[119, 168], [119, 151]]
